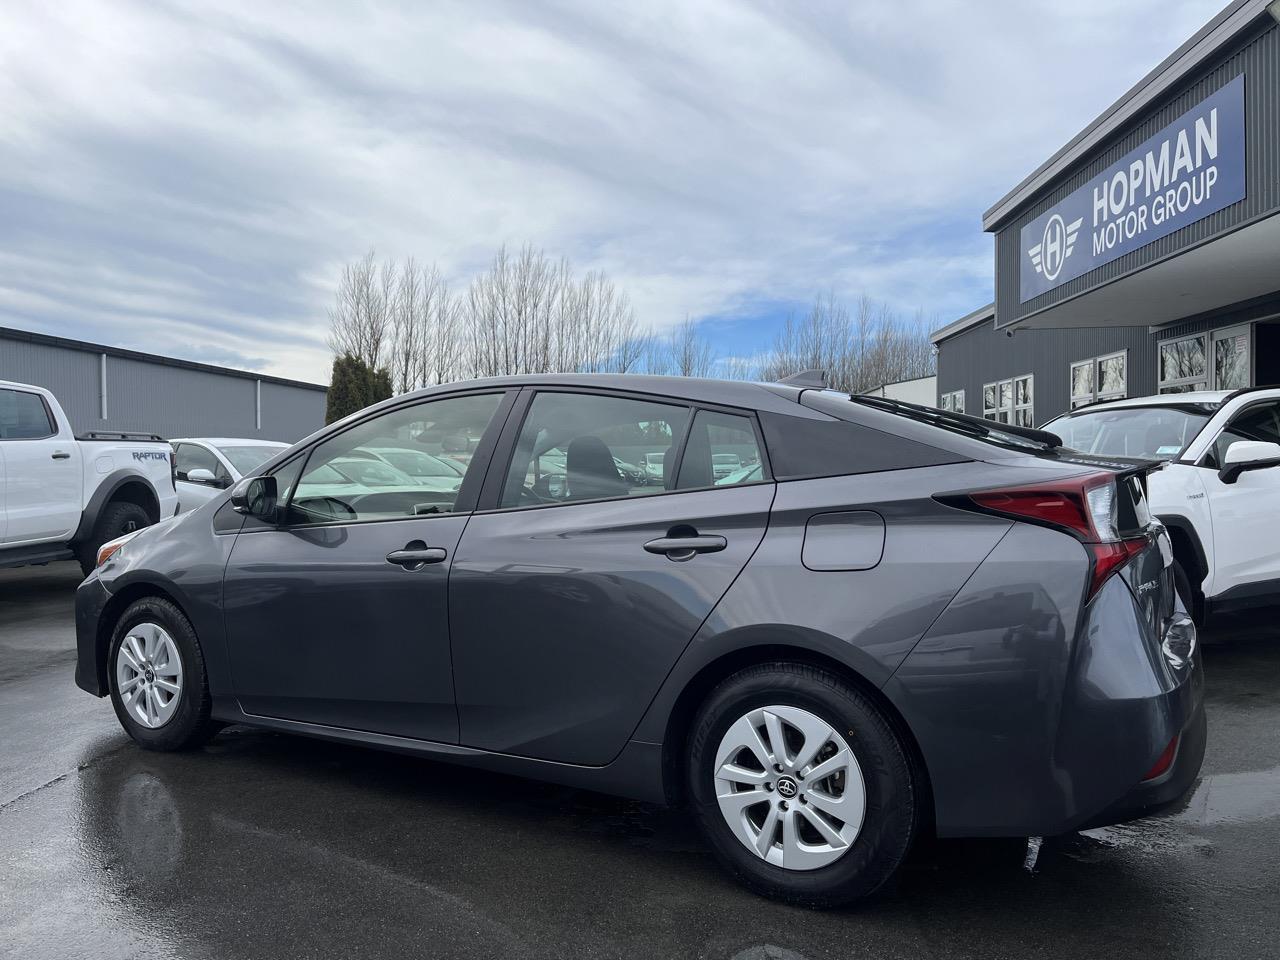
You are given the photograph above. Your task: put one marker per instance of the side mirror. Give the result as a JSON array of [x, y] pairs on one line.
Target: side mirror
[[202, 475], [255, 497], [1248, 455]]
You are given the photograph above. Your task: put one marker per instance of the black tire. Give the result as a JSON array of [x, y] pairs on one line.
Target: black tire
[[892, 814], [189, 725], [116, 520]]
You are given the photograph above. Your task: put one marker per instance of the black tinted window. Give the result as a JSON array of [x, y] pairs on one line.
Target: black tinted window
[[23, 416], [800, 447]]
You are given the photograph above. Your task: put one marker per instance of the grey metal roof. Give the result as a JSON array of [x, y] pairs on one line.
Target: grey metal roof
[[981, 315], [1211, 38], [9, 333]]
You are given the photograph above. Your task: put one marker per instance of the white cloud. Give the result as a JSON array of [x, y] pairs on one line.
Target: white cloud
[[191, 177]]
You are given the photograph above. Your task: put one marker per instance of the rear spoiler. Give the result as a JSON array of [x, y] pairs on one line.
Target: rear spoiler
[[122, 435]]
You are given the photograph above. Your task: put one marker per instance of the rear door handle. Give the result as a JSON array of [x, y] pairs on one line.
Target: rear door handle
[[686, 548], [416, 555], [60, 455]]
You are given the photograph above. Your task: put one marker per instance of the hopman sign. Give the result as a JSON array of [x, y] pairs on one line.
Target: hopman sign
[[1190, 169]]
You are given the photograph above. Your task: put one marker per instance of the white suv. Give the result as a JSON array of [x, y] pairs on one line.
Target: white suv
[[1217, 495]]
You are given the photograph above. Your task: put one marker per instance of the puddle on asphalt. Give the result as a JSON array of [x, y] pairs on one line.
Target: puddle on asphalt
[[1221, 799]]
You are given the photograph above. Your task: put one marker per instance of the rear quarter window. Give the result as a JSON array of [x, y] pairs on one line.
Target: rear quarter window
[[801, 447]]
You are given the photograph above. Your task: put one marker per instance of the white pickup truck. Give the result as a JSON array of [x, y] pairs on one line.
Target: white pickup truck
[[63, 496], [1218, 493]]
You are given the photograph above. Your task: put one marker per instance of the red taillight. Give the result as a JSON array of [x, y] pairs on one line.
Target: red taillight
[[1084, 507], [1164, 763], [173, 470]]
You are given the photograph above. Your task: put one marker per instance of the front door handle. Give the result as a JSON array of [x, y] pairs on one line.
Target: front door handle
[[60, 455], [416, 555], [686, 548]]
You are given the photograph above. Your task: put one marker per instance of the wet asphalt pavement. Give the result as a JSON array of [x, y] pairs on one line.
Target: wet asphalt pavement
[[261, 845]]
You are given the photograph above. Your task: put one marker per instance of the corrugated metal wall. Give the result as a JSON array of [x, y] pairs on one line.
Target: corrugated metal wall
[[171, 401], [1258, 57], [984, 355]]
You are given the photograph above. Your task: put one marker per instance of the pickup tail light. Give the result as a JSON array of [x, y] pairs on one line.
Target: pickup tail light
[[173, 470], [1085, 507]]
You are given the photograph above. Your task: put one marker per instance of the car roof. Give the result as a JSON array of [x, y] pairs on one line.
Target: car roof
[[232, 442], [1159, 400], [734, 393]]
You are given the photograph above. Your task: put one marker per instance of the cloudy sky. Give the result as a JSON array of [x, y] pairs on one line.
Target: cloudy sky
[[188, 179]]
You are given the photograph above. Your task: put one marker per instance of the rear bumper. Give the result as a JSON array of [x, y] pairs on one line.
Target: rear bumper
[[1165, 792], [1037, 715]]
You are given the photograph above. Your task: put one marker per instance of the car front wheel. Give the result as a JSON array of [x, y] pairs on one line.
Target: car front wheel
[[158, 685], [801, 786]]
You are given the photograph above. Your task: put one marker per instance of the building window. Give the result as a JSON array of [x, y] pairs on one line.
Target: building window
[[1010, 401], [1102, 378], [953, 401], [1183, 365]]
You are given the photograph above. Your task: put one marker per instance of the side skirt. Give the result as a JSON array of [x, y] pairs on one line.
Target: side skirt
[[635, 773]]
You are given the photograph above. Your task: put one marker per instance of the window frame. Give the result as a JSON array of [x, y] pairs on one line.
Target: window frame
[[472, 483], [953, 394], [491, 495], [993, 413], [48, 415], [1076, 401], [1206, 378]]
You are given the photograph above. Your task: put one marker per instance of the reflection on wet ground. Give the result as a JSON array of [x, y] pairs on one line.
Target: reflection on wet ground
[[262, 845]]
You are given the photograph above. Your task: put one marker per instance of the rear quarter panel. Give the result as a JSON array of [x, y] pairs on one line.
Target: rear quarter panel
[[867, 618]]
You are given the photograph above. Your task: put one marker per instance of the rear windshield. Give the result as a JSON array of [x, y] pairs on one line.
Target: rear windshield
[[1149, 433]]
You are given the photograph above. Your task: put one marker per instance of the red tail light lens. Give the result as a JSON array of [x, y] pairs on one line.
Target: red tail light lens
[[1084, 507]]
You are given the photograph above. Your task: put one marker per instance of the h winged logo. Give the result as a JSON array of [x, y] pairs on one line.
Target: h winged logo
[[1051, 253]]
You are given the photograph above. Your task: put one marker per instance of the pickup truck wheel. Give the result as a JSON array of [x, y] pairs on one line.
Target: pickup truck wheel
[[158, 683], [116, 520]]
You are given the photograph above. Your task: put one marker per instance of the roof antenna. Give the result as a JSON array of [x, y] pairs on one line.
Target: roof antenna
[[817, 379]]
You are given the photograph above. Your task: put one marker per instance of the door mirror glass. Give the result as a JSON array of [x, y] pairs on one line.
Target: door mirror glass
[[202, 475], [255, 497], [1248, 455]]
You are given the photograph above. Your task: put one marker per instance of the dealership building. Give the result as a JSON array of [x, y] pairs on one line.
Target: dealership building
[[1144, 256], [106, 388]]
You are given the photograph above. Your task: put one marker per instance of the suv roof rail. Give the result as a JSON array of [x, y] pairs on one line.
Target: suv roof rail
[[119, 435], [816, 379], [1244, 390]]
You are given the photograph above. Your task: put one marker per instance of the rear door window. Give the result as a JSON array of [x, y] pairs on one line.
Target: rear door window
[[722, 451], [584, 446]]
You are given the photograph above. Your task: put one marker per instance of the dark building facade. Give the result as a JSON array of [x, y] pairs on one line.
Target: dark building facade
[[107, 388], [1144, 256]]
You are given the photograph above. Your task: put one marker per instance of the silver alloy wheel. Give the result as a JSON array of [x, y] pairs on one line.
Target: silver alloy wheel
[[789, 787], [149, 674]]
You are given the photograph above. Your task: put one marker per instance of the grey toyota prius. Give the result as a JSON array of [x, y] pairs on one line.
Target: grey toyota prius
[[827, 625]]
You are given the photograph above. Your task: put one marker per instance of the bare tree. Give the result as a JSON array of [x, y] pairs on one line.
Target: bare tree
[[859, 351], [684, 352], [360, 319]]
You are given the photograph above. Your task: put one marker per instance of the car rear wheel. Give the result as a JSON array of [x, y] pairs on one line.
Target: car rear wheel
[[158, 685], [801, 786]]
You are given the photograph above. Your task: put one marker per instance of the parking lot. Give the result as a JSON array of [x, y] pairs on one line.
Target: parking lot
[[262, 845]]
